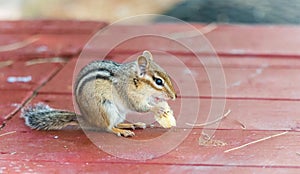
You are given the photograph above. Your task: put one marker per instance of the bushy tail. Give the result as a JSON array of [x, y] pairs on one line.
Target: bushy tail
[[43, 117]]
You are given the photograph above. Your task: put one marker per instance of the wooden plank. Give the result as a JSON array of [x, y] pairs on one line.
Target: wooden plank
[[50, 26], [255, 40], [10, 102], [73, 147], [10, 166], [24, 47], [32, 76], [220, 38], [44, 38], [55, 85], [258, 83], [225, 39], [178, 60]]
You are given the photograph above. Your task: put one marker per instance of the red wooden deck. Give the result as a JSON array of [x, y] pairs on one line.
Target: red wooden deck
[[261, 65]]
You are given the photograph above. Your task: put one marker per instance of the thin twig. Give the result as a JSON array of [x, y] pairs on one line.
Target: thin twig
[[6, 63], [211, 122], [188, 34], [7, 133], [256, 141], [17, 45], [208, 28], [46, 60]]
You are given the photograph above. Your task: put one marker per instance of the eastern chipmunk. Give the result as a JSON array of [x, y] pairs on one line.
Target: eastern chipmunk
[[105, 92]]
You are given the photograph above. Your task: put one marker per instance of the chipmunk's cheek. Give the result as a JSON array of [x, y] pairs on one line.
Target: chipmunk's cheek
[[154, 99]]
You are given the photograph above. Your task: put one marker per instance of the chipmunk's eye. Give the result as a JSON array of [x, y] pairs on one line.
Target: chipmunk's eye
[[158, 81]]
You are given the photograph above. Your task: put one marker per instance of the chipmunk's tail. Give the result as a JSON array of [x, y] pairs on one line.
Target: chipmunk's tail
[[43, 117]]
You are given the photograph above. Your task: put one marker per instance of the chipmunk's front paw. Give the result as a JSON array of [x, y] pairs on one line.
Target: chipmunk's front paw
[[122, 132]]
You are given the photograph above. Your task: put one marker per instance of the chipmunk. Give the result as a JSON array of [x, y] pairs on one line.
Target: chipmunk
[[105, 91]]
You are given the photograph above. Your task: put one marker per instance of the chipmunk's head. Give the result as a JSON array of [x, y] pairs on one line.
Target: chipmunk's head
[[153, 80]]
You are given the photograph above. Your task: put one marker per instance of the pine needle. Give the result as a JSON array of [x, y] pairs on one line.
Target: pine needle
[[17, 45], [6, 63], [7, 133], [256, 141], [46, 60], [211, 122], [194, 33]]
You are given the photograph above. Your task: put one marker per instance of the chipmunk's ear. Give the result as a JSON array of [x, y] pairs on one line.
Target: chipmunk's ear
[[147, 54], [142, 64]]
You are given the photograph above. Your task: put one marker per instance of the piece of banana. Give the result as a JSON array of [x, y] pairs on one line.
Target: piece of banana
[[164, 115]]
